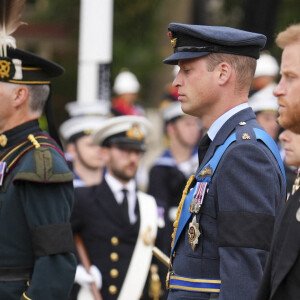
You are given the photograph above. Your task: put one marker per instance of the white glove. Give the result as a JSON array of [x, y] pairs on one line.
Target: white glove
[[97, 276], [83, 278]]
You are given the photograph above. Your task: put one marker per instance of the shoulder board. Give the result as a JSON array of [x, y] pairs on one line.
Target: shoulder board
[[45, 162]]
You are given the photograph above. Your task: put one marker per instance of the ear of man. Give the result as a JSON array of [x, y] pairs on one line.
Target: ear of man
[[20, 96], [224, 73]]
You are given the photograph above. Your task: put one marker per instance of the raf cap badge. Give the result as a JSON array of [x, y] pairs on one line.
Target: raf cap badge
[[173, 40], [194, 233]]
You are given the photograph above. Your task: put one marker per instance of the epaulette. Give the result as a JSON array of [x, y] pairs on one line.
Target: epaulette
[[244, 132], [40, 166]]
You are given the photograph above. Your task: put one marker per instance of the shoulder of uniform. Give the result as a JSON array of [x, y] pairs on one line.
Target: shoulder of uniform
[[245, 132], [43, 161]]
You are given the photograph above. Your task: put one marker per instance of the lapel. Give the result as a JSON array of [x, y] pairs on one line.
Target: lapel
[[288, 236], [228, 127]]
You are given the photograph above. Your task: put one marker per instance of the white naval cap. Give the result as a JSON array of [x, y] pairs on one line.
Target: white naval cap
[[264, 100], [267, 65], [172, 111], [126, 131], [79, 126], [126, 82], [95, 108]]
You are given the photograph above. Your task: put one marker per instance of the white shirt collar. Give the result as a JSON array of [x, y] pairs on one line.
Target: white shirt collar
[[116, 187], [216, 126]]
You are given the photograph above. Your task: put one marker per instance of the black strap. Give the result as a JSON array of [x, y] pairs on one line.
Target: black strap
[[15, 274], [50, 120]]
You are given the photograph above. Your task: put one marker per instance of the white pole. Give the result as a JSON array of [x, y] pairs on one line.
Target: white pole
[[95, 50]]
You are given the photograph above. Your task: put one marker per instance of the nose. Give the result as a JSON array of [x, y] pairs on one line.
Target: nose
[[279, 89], [134, 155], [176, 82], [284, 136]]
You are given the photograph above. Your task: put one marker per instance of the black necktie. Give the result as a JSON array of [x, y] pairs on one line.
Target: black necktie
[[124, 206], [202, 148]]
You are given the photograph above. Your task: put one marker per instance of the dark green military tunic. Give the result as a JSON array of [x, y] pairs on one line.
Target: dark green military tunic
[[36, 198]]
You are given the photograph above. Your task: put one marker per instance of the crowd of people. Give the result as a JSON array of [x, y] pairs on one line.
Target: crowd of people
[[221, 209]]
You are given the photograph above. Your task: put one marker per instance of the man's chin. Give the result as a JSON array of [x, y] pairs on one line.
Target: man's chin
[[294, 127]]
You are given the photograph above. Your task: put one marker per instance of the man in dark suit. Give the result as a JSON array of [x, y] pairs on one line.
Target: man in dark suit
[[117, 223], [224, 224], [282, 273]]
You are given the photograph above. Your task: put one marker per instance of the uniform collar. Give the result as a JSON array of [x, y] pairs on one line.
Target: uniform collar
[[20, 132], [216, 126], [116, 186]]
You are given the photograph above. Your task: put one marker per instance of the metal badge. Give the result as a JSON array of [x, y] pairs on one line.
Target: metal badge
[[3, 140], [194, 233], [246, 136], [298, 214], [206, 172]]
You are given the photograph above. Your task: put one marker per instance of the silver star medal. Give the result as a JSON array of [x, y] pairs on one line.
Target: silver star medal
[[194, 233]]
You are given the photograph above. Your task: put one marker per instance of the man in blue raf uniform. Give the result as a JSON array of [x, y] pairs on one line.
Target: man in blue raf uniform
[[224, 223], [281, 278], [36, 192]]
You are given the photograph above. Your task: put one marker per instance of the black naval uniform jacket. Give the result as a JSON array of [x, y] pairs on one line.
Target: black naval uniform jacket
[[36, 197], [108, 239], [245, 196], [281, 278], [166, 184]]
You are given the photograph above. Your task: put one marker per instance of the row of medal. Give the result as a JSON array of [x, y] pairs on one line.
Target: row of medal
[[194, 232]]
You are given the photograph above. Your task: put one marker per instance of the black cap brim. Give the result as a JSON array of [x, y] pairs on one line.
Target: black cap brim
[[35, 69], [174, 58], [125, 143]]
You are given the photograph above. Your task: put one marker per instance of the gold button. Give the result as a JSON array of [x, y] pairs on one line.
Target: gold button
[[114, 256], [114, 241], [112, 289], [114, 273]]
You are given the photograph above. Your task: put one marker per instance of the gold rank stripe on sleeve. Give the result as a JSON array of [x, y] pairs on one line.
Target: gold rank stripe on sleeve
[[195, 284]]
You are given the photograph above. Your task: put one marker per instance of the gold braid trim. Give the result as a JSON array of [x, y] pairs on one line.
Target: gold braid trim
[[12, 151], [32, 139], [184, 194]]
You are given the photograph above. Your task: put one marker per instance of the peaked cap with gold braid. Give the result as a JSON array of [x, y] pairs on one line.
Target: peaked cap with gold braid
[[16, 65], [124, 131]]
